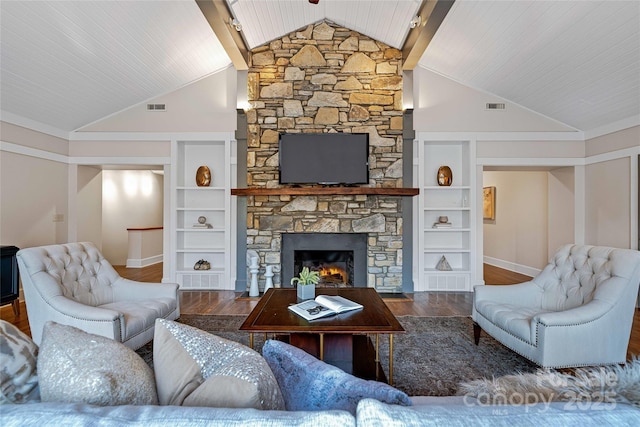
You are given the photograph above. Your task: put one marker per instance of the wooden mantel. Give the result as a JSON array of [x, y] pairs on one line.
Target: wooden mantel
[[325, 191]]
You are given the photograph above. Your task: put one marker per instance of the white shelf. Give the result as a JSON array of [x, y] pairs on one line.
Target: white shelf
[[211, 270], [446, 251], [200, 230], [446, 188], [190, 202], [201, 250], [201, 188], [202, 209], [454, 271], [456, 203], [447, 208], [446, 230]]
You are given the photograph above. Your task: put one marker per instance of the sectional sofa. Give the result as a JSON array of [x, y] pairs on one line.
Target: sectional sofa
[[79, 379]]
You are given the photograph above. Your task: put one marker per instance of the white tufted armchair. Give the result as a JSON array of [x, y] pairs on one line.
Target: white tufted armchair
[[577, 312], [75, 285]]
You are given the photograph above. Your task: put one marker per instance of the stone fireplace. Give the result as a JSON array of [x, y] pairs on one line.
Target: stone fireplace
[[325, 79]]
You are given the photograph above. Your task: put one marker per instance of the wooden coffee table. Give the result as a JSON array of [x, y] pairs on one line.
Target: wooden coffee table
[[341, 340]]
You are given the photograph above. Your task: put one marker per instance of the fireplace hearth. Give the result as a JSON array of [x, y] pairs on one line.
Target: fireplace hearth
[[341, 258]]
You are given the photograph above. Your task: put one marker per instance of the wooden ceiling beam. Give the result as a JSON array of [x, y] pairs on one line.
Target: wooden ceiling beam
[[218, 16], [432, 13]]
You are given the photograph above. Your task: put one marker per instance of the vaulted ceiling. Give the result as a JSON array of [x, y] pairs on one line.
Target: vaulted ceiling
[[66, 64]]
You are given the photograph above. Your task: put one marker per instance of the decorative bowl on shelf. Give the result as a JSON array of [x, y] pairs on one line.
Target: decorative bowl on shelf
[[202, 265]]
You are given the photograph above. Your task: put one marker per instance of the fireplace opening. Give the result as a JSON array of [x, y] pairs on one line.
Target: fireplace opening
[[335, 267], [341, 258]]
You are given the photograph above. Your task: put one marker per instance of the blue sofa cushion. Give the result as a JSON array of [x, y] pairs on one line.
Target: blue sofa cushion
[[308, 384]]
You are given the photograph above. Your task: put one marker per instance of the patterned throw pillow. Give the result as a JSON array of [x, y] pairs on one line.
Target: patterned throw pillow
[[195, 368], [78, 367], [18, 362], [309, 384]]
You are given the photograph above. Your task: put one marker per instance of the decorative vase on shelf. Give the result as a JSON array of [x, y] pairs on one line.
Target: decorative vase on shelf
[[203, 176], [445, 176]]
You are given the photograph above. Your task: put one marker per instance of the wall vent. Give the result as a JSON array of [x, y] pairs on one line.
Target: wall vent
[[159, 107], [495, 106]]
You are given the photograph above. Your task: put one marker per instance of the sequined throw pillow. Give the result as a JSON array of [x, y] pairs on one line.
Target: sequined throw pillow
[[78, 367], [18, 358], [195, 368]]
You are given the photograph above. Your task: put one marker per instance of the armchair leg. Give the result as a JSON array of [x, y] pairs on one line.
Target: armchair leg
[[476, 332]]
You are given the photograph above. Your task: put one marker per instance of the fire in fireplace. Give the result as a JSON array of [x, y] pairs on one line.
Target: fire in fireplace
[[335, 267]]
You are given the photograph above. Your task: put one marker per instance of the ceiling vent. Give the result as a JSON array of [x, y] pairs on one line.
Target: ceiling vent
[[495, 106], [161, 107]]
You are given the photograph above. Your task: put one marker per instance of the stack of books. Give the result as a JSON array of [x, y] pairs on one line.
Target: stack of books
[[442, 225], [207, 225]]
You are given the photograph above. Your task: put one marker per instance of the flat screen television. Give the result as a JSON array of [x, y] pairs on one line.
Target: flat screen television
[[324, 158]]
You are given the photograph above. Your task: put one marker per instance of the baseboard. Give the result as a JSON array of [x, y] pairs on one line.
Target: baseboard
[[512, 266], [144, 262]]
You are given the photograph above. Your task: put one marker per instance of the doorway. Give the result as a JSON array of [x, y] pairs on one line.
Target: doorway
[[534, 215], [112, 198]]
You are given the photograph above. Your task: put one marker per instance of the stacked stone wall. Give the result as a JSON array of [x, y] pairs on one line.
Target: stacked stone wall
[[326, 78]]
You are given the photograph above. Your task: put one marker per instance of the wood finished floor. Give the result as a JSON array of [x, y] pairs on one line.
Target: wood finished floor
[[227, 302]]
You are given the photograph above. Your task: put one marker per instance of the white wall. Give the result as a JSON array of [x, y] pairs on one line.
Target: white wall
[[607, 203], [611, 180], [32, 191], [208, 105], [131, 199], [443, 105], [517, 238], [89, 205], [33, 188], [561, 213]]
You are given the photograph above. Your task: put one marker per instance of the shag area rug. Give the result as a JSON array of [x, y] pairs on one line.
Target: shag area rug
[[431, 359]]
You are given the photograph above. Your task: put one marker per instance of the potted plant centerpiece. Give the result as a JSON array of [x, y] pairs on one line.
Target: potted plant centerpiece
[[306, 283]]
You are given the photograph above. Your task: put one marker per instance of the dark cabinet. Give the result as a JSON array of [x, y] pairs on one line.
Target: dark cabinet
[[9, 277]]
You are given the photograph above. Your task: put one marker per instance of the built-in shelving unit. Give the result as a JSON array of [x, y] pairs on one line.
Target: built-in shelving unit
[[191, 241], [456, 202]]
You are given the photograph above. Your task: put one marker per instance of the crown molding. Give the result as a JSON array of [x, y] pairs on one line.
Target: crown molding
[[148, 136], [501, 136]]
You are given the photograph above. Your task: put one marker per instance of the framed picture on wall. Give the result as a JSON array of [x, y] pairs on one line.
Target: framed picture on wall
[[489, 203]]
